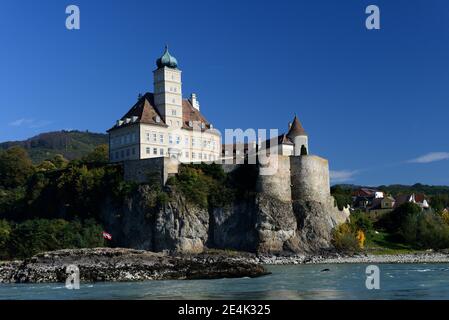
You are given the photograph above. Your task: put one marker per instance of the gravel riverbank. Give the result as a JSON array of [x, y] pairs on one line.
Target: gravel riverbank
[[428, 257]]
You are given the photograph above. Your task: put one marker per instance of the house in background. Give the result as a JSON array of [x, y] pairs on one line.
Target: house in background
[[381, 206], [417, 198], [377, 203], [364, 198]]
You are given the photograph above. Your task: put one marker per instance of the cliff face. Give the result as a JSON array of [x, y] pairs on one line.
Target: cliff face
[[175, 226], [272, 220]]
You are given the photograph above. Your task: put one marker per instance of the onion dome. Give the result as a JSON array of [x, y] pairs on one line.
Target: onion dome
[[167, 60], [296, 130]]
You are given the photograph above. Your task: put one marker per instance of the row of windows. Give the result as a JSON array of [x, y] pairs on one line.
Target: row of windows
[[124, 139], [160, 89], [123, 154], [201, 156], [169, 76], [154, 151], [126, 153], [158, 137], [195, 156]]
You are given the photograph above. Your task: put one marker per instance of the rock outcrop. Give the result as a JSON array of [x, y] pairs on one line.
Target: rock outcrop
[[140, 223], [289, 211], [107, 264]]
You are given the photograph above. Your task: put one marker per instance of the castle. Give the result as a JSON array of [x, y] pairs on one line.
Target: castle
[[163, 124], [293, 209]]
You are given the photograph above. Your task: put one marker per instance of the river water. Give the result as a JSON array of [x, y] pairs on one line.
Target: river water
[[341, 281]]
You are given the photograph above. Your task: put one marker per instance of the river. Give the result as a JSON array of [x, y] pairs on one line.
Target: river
[[341, 281]]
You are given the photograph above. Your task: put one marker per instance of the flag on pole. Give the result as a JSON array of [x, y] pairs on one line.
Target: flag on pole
[[107, 236]]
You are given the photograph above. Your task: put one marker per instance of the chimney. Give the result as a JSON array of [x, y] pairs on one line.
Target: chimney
[[194, 101]]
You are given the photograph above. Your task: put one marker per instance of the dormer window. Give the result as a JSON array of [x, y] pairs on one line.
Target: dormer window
[[158, 119], [190, 124]]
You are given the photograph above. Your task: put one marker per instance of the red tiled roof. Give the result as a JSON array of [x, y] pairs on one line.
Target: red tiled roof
[[189, 113], [146, 112], [364, 192]]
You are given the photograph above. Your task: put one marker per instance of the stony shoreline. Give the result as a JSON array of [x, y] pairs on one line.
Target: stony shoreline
[[108, 264], [433, 257]]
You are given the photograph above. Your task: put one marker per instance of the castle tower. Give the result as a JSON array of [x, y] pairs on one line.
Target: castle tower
[[298, 136], [167, 90]]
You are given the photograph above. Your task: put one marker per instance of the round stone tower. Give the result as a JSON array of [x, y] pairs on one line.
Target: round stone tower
[[310, 178]]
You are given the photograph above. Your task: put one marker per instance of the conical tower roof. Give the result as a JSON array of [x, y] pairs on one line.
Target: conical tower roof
[[296, 129]]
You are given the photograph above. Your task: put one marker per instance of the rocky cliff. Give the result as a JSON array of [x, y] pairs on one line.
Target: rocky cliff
[[269, 221]]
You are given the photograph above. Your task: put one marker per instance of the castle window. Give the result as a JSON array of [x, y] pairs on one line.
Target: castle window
[[148, 150], [154, 137], [127, 152], [155, 151], [187, 154], [147, 134], [193, 142], [178, 140], [161, 138], [173, 112], [173, 100], [170, 139], [186, 141], [193, 155], [161, 151]]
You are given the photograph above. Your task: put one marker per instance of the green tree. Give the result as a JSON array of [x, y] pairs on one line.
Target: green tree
[[15, 167], [45, 165], [59, 161], [99, 155]]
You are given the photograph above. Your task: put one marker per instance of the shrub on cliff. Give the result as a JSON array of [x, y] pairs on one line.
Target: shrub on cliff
[[361, 221], [342, 197], [202, 184], [345, 239]]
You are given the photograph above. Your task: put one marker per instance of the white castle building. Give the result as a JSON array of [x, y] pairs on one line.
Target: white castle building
[[163, 124]]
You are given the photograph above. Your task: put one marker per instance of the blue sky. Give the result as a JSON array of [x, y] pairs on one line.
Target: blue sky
[[375, 103]]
